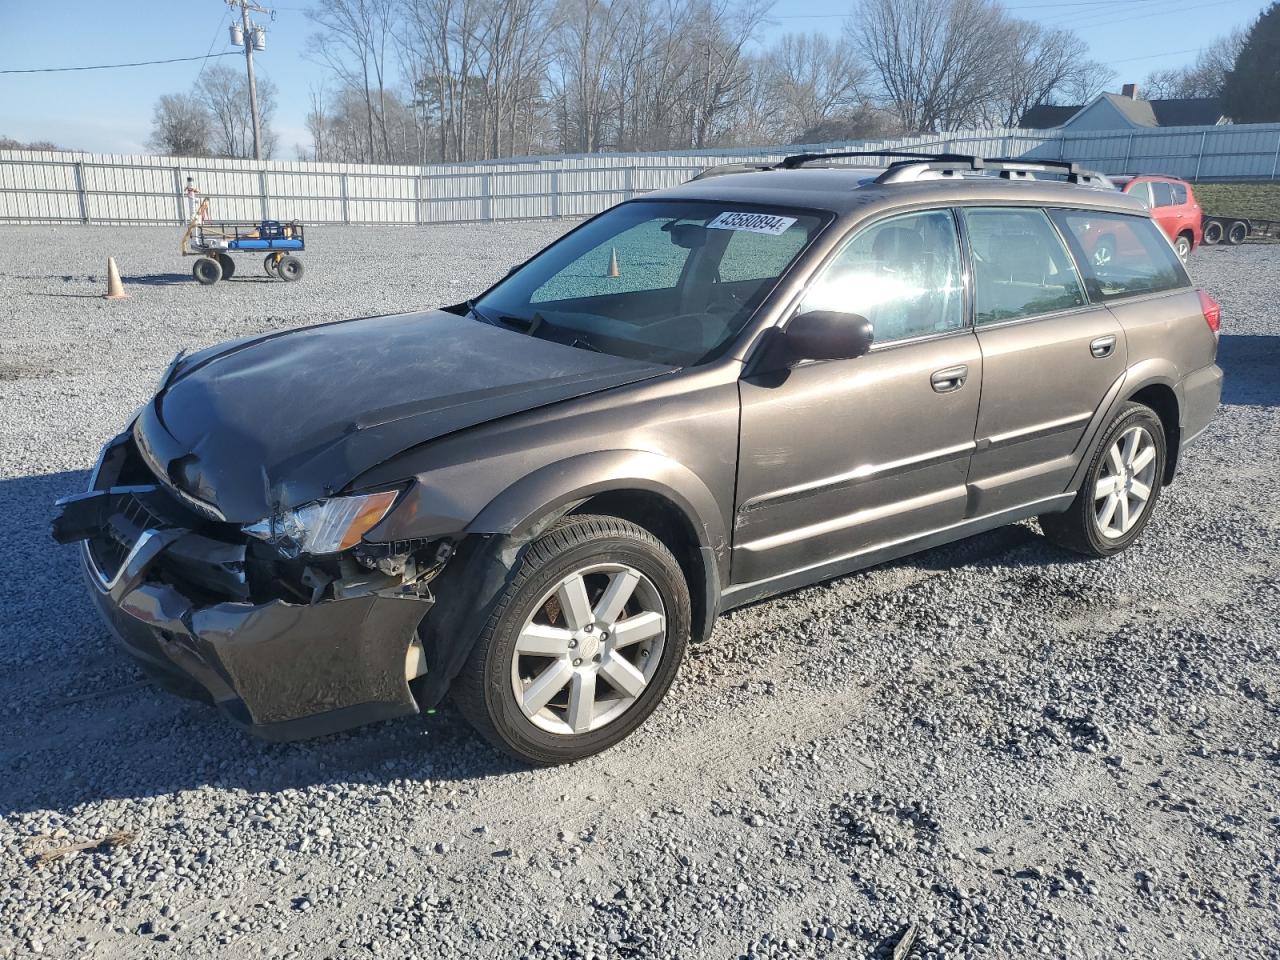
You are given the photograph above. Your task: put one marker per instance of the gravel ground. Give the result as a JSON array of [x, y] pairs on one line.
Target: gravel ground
[[993, 748]]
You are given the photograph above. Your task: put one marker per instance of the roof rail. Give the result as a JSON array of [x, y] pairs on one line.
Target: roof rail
[[800, 159], [727, 168], [1007, 169], [912, 166]]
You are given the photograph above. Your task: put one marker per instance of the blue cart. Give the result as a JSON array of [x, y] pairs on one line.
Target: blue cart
[[213, 243]]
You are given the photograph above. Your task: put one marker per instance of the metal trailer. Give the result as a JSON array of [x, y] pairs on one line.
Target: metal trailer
[[1234, 231], [213, 243]]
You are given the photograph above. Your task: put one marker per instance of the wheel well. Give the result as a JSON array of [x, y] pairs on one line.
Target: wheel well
[[1189, 234], [1164, 402], [669, 524]]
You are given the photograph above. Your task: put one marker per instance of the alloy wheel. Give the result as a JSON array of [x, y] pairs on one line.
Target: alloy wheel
[[1125, 484], [589, 649]]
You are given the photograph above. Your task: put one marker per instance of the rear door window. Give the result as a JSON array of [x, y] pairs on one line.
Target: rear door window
[[903, 274], [1179, 193], [1163, 192], [1020, 266], [1142, 191], [1122, 255]]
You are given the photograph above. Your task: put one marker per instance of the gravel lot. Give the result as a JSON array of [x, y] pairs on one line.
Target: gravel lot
[[996, 748]]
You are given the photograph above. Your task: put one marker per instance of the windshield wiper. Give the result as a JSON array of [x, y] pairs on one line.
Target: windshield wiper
[[529, 326]]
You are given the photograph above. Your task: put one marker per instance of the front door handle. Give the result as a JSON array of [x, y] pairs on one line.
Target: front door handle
[[952, 378], [1102, 347]]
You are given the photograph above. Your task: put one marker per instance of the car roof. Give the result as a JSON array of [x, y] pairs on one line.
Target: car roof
[[852, 192]]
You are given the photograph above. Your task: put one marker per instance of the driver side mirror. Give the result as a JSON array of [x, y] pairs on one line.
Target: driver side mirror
[[820, 335]]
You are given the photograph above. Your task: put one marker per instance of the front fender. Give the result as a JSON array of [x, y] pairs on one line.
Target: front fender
[[558, 485]]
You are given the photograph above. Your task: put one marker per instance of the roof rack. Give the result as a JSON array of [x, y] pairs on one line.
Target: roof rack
[[727, 168], [911, 166], [1005, 168]]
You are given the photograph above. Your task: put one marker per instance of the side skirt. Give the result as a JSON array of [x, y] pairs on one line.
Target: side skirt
[[740, 594]]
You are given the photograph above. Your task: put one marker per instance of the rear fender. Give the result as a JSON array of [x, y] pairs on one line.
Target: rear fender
[[1138, 377]]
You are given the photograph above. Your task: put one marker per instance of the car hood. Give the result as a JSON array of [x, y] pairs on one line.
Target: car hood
[[267, 424]]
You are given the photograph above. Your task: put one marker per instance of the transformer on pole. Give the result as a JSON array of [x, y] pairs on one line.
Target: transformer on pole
[[252, 37]]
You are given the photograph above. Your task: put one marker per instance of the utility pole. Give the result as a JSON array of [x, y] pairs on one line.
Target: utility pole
[[250, 35]]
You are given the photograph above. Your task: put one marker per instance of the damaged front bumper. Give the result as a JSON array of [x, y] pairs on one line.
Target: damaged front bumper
[[179, 592]]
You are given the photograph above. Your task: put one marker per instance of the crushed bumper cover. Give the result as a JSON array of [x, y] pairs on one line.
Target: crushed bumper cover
[[281, 670]]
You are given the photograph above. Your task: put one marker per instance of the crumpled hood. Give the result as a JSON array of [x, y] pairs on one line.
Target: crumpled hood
[[272, 423]]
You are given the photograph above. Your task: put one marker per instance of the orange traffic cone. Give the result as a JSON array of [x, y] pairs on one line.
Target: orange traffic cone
[[613, 263], [115, 289]]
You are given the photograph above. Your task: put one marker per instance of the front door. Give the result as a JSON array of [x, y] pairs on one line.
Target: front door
[[842, 457]]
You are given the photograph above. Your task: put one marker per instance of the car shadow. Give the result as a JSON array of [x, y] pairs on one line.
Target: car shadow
[[79, 722], [1251, 368]]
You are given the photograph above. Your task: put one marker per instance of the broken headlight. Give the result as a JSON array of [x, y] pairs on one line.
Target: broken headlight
[[324, 526]]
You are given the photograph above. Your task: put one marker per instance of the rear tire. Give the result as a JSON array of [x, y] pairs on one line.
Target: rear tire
[[207, 271], [269, 264], [228, 265], [1120, 488], [1237, 232], [1212, 233], [289, 268], [583, 709]]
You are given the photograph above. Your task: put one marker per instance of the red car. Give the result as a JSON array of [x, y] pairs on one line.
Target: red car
[[1173, 207]]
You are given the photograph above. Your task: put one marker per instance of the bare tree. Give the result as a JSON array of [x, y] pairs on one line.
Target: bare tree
[[355, 41], [813, 78], [224, 92], [1040, 65], [180, 126], [1205, 77]]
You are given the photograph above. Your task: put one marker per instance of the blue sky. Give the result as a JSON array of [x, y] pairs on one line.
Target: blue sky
[[110, 110]]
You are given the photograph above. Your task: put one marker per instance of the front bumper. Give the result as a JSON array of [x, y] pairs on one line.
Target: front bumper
[[280, 669]]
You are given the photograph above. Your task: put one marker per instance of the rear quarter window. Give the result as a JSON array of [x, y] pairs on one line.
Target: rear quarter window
[[1122, 255]]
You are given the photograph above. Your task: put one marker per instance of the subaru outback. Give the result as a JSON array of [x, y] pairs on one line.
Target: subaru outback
[[532, 502]]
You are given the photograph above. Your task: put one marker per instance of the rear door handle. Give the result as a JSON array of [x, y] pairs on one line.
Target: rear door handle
[[1102, 347], [952, 378]]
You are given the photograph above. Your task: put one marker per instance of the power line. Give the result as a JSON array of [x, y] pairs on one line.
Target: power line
[[212, 43], [117, 66]]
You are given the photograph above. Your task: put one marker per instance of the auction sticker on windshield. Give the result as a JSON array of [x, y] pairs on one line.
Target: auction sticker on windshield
[[752, 222]]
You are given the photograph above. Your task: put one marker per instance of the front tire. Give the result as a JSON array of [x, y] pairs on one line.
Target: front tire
[[1120, 488], [289, 268], [206, 270], [582, 644]]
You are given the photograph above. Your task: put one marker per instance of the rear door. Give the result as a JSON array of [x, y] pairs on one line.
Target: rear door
[[1049, 358]]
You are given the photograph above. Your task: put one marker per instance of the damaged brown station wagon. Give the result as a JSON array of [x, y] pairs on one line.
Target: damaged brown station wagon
[[533, 501]]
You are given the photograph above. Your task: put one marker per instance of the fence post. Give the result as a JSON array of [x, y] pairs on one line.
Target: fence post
[[1127, 151], [627, 187], [418, 183], [346, 214], [80, 192], [555, 194], [1200, 156], [262, 192], [486, 208], [179, 195], [1275, 164]]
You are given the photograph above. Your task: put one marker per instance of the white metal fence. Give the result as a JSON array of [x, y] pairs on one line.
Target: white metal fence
[[64, 187]]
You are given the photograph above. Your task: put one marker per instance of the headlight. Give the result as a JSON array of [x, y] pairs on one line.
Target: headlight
[[325, 526]]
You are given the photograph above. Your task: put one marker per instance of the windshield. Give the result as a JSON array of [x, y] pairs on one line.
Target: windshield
[[668, 282]]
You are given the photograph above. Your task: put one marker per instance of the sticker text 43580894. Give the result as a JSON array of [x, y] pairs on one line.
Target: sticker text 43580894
[[752, 222]]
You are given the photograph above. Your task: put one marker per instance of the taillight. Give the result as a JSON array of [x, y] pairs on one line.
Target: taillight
[[1212, 311]]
